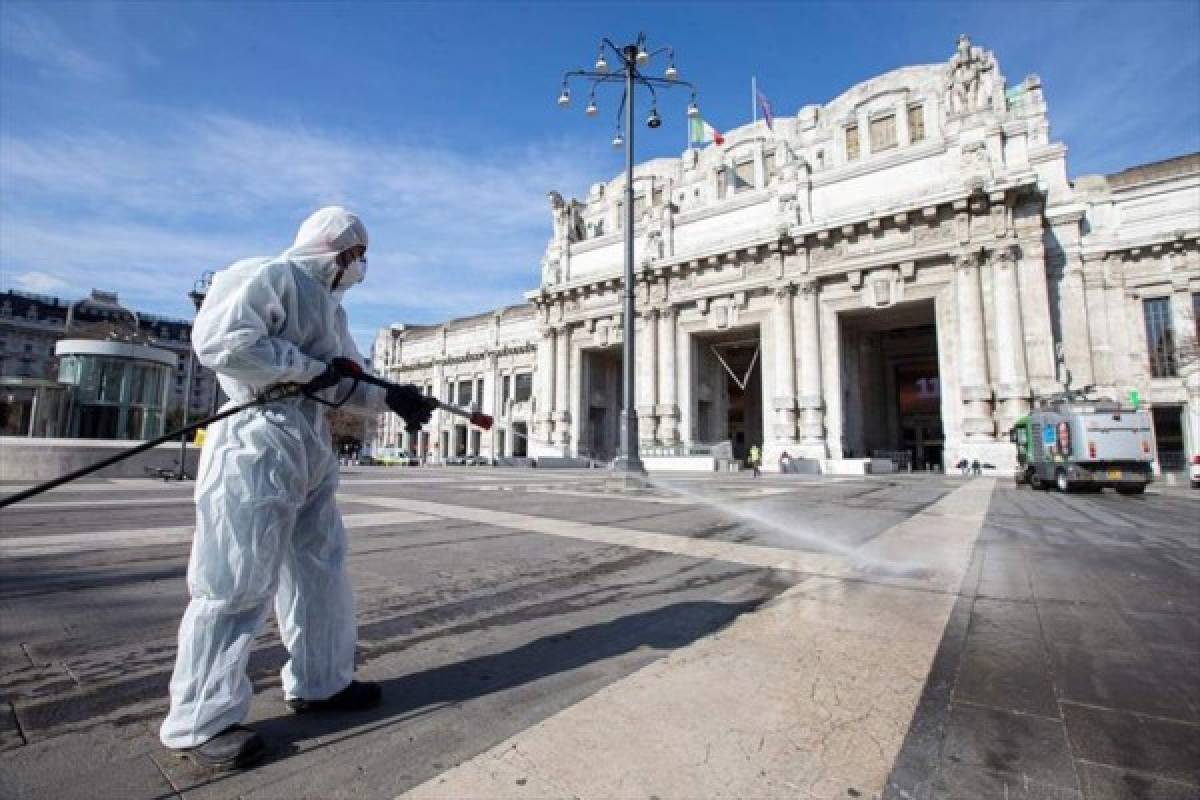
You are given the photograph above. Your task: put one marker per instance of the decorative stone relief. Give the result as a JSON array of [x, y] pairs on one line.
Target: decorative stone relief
[[933, 234], [882, 288], [973, 81], [976, 164], [1001, 213], [829, 253], [889, 239]]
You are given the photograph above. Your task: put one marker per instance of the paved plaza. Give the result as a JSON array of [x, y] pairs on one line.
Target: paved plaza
[[907, 636]]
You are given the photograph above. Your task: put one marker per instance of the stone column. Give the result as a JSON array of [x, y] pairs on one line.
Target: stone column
[[1013, 378], [562, 387], [784, 345], [903, 134], [668, 404], [977, 422], [808, 338], [544, 386], [1095, 310], [864, 133], [647, 376]]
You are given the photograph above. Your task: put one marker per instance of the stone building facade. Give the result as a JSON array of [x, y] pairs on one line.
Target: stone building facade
[[903, 270], [483, 363], [31, 324]]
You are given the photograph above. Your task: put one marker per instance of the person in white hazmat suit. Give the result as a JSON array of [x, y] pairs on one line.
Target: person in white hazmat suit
[[267, 526]]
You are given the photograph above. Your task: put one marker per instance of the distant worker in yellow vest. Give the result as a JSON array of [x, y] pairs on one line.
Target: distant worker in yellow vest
[[754, 459]]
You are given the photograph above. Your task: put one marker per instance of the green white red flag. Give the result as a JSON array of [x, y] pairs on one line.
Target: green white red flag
[[700, 132]]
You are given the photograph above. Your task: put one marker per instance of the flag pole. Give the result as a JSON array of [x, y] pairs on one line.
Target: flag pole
[[754, 97]]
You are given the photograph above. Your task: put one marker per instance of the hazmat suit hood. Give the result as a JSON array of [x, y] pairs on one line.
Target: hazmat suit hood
[[325, 234]]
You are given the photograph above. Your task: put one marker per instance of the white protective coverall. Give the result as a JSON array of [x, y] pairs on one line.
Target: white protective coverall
[[267, 525]]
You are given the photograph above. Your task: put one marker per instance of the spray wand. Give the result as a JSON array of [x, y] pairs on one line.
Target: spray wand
[[476, 418]]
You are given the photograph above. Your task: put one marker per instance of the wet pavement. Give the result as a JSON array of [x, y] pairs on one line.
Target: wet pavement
[[1056, 657], [1071, 663]]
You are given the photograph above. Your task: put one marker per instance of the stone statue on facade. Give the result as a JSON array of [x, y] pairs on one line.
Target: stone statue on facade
[[567, 218], [972, 78], [652, 245], [558, 215]]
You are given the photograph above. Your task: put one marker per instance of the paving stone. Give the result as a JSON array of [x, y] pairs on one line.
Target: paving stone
[[1090, 627], [1005, 575], [1004, 620], [958, 782], [1007, 671], [1172, 631], [1107, 783], [1019, 745], [1134, 742], [1129, 681]]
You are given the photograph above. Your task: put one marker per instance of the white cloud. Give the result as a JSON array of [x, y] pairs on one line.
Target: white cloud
[[40, 282], [143, 212], [38, 39]]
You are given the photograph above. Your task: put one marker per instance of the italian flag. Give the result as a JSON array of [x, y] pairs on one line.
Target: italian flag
[[700, 132]]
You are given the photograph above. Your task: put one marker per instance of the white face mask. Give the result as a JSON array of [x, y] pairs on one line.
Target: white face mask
[[355, 273]]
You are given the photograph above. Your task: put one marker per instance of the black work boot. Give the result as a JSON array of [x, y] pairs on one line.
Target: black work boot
[[236, 747], [358, 696]]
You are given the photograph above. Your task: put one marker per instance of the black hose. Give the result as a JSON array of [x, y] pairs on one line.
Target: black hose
[[276, 393]]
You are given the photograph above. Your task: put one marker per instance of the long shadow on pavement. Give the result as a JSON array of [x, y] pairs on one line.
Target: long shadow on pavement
[[667, 628]]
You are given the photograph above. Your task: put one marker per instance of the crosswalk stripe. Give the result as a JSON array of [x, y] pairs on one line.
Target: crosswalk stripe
[[59, 544]]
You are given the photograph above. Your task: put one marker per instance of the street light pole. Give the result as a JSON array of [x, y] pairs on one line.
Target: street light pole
[[628, 462], [187, 407], [630, 459], [196, 295]]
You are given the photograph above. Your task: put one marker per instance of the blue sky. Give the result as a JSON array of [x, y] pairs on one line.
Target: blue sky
[[142, 144]]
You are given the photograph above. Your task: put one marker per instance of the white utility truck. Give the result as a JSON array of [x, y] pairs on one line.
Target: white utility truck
[[1085, 445]]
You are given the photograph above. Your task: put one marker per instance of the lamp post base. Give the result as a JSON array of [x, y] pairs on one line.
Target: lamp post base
[[627, 466], [626, 477]]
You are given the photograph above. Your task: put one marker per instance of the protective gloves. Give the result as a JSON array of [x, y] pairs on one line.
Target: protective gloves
[[338, 368], [408, 401]]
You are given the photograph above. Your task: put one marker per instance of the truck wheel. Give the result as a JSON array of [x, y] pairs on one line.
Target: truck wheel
[[1035, 480], [1133, 488], [1061, 482]]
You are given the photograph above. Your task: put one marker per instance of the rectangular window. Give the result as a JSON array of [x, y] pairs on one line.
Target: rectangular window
[[479, 391], [768, 166], [505, 389], [743, 176], [464, 393], [883, 133], [523, 387], [1160, 342], [852, 142], [916, 124], [656, 197]]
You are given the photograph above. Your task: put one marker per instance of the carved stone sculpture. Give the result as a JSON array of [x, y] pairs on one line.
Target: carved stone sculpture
[[972, 79]]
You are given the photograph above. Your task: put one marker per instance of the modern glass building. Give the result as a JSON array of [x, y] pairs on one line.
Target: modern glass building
[[31, 406], [119, 390]]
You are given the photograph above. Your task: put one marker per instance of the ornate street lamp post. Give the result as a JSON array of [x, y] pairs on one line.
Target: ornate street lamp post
[[630, 59], [196, 295]]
